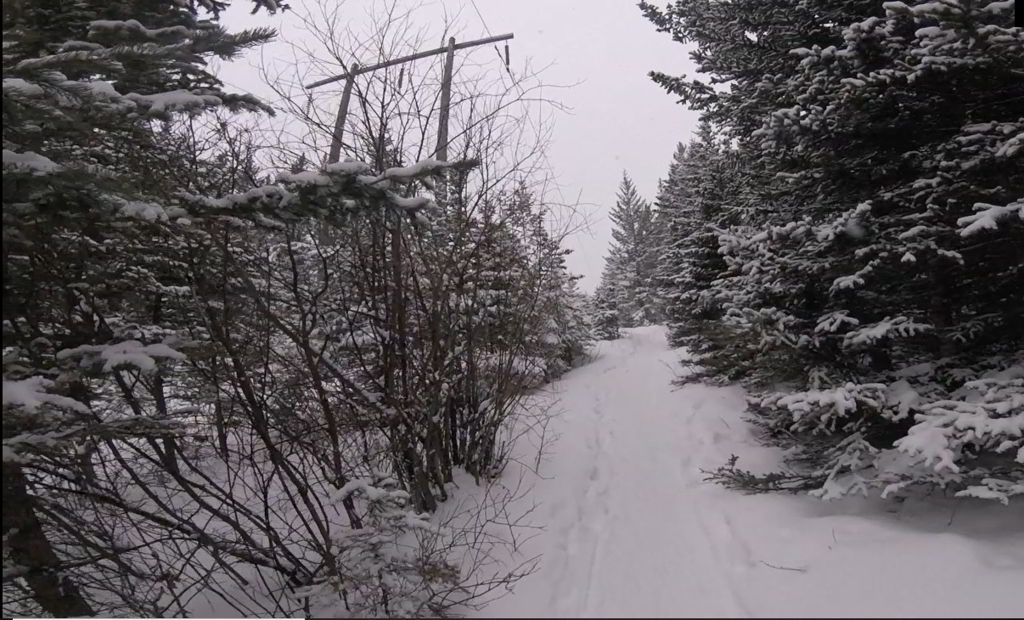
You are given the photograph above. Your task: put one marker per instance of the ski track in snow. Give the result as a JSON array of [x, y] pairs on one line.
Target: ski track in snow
[[632, 529]]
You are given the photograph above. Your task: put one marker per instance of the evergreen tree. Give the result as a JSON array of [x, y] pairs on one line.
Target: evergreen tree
[[83, 82], [671, 225], [694, 205], [604, 311], [875, 256], [628, 281]]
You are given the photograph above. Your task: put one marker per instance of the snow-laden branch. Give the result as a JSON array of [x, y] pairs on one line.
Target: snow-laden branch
[[337, 188], [988, 217]]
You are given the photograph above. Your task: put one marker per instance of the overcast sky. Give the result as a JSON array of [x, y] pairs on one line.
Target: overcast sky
[[619, 119]]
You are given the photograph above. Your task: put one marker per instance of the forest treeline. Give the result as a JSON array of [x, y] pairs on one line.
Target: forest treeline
[[844, 235]]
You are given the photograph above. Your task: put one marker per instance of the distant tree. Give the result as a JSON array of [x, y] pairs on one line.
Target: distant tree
[[604, 313], [628, 281]]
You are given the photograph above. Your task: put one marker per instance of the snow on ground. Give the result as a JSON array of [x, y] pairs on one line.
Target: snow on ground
[[631, 529]]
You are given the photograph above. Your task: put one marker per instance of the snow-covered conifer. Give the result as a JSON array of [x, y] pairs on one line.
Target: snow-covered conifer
[[874, 259]]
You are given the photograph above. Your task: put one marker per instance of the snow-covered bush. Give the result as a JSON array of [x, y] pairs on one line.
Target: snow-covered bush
[[381, 570]]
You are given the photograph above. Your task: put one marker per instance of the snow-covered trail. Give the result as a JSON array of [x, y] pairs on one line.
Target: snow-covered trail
[[625, 445], [631, 528]]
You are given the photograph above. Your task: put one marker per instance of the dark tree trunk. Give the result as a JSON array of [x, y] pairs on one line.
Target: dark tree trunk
[[31, 549]]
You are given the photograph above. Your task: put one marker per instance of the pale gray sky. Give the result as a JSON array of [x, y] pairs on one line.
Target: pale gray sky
[[619, 119]]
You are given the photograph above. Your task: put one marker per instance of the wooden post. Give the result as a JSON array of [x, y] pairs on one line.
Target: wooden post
[[441, 153], [339, 123]]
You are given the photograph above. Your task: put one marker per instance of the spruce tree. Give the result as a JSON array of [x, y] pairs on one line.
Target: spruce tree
[[876, 267], [671, 223], [604, 311], [694, 205], [628, 281], [83, 83]]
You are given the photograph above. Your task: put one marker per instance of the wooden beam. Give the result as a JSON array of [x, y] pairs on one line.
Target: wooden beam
[[397, 61]]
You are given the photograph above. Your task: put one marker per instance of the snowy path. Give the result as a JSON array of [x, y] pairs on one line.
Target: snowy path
[[632, 530]]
